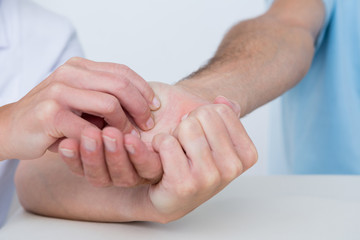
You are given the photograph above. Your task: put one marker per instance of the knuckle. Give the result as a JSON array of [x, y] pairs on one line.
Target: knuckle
[[250, 155], [113, 166], [184, 190], [144, 111], [212, 179], [147, 91], [110, 105], [232, 170], [237, 169], [74, 60], [55, 89], [122, 69], [121, 83], [46, 110], [189, 126], [168, 142], [224, 110], [204, 113], [61, 72]]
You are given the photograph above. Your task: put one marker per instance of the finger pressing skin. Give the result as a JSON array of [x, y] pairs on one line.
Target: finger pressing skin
[[239, 137], [146, 162], [92, 155], [69, 152], [119, 86], [121, 70], [121, 170]]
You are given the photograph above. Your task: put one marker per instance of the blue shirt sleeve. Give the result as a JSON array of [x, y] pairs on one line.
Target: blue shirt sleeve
[[329, 7]]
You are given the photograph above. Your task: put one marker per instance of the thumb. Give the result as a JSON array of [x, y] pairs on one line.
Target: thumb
[[232, 104]]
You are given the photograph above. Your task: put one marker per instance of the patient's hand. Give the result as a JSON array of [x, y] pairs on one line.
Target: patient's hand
[[107, 157], [205, 152]]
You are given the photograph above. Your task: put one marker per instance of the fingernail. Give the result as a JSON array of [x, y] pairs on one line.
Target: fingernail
[[67, 152], [110, 143], [150, 123], [89, 144], [130, 148], [155, 103], [135, 133]]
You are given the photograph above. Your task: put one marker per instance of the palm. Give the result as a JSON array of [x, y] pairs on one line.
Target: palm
[[175, 103]]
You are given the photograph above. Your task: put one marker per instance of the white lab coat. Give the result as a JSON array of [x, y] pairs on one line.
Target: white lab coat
[[33, 42]]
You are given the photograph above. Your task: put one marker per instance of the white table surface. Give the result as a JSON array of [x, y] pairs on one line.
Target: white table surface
[[274, 207]]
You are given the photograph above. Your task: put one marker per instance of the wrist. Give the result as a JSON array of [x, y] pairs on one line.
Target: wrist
[[198, 88], [210, 87]]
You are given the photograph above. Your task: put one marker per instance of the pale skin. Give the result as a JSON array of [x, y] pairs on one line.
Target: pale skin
[[258, 60], [108, 164], [215, 155], [52, 110], [123, 159]]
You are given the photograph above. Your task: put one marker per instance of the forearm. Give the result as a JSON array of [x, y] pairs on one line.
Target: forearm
[[47, 187], [258, 60]]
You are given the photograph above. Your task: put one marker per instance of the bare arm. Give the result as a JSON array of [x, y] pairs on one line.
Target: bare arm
[[45, 186], [261, 58]]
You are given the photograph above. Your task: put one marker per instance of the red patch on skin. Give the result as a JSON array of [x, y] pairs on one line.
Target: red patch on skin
[[175, 103]]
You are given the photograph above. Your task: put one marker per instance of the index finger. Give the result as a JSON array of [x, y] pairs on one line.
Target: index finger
[[122, 70], [120, 87]]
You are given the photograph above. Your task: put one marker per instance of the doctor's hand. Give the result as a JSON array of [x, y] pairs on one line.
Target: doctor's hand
[[53, 109], [110, 157]]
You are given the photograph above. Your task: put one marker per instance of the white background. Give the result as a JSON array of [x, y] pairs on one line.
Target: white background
[[163, 40]]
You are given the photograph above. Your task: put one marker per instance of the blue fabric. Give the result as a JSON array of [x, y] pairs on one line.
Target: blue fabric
[[321, 115]]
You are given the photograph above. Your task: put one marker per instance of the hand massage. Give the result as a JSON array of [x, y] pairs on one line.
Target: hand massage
[[95, 141]]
